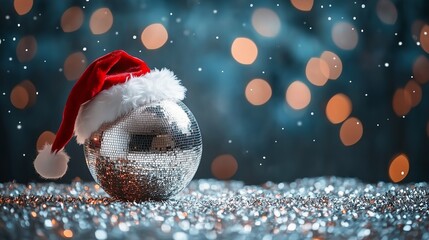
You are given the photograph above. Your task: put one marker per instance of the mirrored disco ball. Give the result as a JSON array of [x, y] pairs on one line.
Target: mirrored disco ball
[[151, 153]]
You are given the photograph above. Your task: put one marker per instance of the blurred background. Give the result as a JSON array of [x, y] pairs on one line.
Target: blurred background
[[281, 89]]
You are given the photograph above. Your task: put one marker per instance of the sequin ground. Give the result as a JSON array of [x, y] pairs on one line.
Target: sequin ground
[[315, 208]]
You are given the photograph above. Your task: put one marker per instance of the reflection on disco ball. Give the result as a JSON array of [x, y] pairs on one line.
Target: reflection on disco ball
[[151, 153]]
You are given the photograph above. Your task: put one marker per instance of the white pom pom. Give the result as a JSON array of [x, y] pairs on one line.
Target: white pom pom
[[51, 165]]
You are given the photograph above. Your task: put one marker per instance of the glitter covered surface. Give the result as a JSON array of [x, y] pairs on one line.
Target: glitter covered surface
[[151, 153], [315, 208]]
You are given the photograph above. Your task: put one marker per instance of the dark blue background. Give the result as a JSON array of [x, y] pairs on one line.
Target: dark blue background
[[216, 94]]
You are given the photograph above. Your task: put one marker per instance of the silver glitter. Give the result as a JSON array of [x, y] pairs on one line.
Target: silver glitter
[[151, 153], [314, 208]]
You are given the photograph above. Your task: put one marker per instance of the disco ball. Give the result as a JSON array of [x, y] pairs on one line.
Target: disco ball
[[152, 153]]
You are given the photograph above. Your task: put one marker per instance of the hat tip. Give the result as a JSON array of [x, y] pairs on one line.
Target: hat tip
[[51, 165]]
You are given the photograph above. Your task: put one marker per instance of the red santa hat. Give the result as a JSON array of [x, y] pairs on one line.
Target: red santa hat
[[110, 87]]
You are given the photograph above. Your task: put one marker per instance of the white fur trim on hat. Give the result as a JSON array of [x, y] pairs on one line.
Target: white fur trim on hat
[[120, 99], [51, 165]]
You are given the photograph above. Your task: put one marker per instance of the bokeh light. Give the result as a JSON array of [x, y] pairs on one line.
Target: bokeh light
[[298, 95], [399, 167], [23, 95], [351, 131], [224, 166], [22, 7], [303, 5], [334, 63], [154, 36], [266, 22], [67, 233], [421, 69], [101, 21], [74, 65], [415, 92], [47, 137], [31, 91], [344, 35], [386, 12], [402, 102], [338, 108], [424, 38], [26, 48], [317, 71], [258, 92], [244, 50], [19, 97], [72, 19]]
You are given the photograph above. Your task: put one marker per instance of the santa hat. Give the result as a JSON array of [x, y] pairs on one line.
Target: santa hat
[[110, 87]]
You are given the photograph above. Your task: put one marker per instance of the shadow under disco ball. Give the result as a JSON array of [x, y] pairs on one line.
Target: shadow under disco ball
[[152, 153]]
